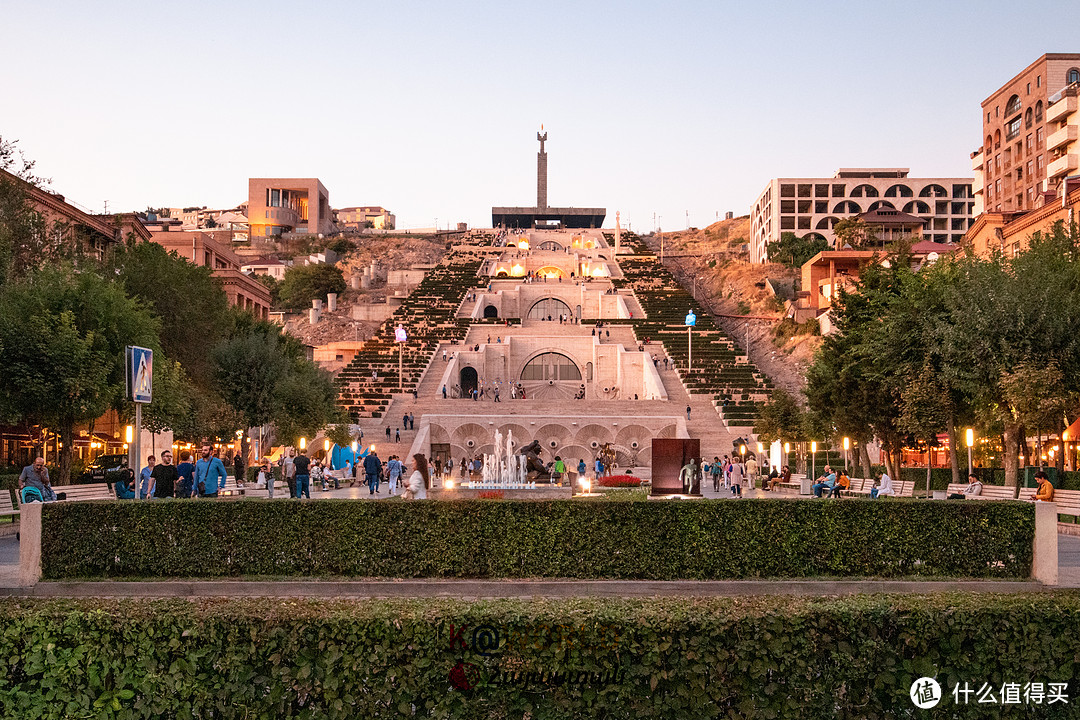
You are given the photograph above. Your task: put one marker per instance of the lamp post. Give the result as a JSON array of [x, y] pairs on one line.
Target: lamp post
[[303, 443], [691, 321], [847, 445], [813, 458], [971, 440], [400, 337]]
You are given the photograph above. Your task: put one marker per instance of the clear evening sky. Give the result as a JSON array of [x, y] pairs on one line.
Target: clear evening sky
[[431, 108]]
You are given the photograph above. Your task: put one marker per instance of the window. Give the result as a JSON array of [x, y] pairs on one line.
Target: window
[[787, 191], [899, 191], [1027, 119], [787, 206], [804, 222], [821, 207], [1073, 76], [551, 366], [838, 191], [821, 191], [1038, 111], [1012, 129], [548, 307], [1013, 106], [1039, 164], [1038, 81], [804, 190], [864, 191], [1027, 140], [787, 222], [1029, 88], [933, 190], [1039, 137], [804, 206]]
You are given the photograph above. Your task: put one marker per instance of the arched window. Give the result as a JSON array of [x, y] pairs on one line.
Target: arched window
[[1038, 111], [826, 223], [1013, 106], [881, 205], [864, 191], [997, 135], [899, 191], [551, 272], [550, 366], [1027, 119], [917, 207], [847, 207], [1073, 76], [933, 190], [550, 245], [544, 308]]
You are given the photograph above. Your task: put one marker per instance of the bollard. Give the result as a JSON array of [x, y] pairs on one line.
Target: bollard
[[30, 544], [1044, 565]]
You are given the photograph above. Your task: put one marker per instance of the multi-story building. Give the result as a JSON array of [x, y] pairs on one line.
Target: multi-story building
[[204, 249], [1011, 166], [286, 205], [357, 218], [1010, 233], [1063, 132], [813, 206]]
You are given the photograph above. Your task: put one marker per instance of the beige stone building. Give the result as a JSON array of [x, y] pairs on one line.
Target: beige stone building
[[813, 206], [357, 218], [287, 205], [1012, 166], [202, 248]]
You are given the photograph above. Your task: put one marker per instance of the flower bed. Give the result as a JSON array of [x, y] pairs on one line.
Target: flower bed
[[620, 481]]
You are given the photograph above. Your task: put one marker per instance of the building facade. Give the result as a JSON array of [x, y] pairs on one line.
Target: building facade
[[1011, 165], [1063, 133], [288, 205], [813, 206], [357, 218], [1010, 233]]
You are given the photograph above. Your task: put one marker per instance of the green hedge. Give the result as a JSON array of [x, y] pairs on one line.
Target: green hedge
[[705, 539], [779, 657], [9, 482]]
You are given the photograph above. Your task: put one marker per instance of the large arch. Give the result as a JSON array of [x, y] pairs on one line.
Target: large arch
[[847, 207], [864, 191], [813, 236], [490, 311], [549, 307], [1012, 107], [550, 365], [917, 207], [933, 190], [550, 271], [899, 190], [549, 245], [827, 223], [880, 204], [468, 380]]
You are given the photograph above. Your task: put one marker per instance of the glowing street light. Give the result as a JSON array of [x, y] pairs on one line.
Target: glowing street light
[[813, 458], [847, 446], [303, 443], [129, 434], [400, 337], [970, 437]]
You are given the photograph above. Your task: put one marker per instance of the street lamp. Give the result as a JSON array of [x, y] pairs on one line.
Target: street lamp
[[742, 453], [847, 445], [303, 443], [691, 321], [813, 458], [400, 337], [326, 445], [970, 437]]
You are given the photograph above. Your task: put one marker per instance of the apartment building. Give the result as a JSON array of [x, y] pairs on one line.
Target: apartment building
[[204, 248], [288, 205], [1011, 166], [812, 206], [1063, 133], [357, 218]]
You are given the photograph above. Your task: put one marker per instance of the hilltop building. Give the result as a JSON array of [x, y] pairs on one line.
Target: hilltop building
[[937, 209], [288, 205], [357, 218]]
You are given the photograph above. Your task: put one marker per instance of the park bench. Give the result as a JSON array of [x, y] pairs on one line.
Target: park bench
[[859, 487], [989, 492], [77, 493], [1068, 501], [6, 505]]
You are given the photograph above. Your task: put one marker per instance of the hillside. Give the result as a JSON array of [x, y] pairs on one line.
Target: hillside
[[736, 293]]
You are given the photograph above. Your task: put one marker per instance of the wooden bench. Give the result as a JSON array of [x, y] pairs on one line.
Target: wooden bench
[[858, 487], [989, 492], [1068, 501], [6, 505], [77, 493]]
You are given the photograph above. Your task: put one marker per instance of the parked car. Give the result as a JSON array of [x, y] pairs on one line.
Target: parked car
[[104, 468]]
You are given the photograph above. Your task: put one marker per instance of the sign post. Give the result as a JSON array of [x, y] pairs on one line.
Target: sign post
[[400, 337], [691, 321], [139, 366]]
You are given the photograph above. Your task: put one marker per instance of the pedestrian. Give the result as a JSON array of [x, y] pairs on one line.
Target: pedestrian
[[146, 487], [210, 473], [397, 435], [288, 472], [303, 477], [598, 468], [418, 481], [36, 476], [751, 472], [185, 476], [737, 473], [444, 355], [387, 433], [372, 468], [164, 476], [394, 469], [687, 413], [266, 475], [581, 469], [405, 421], [443, 392], [464, 468], [412, 422], [716, 471], [238, 469]]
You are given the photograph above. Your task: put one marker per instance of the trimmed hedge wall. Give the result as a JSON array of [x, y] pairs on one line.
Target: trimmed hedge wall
[[600, 658], [519, 539]]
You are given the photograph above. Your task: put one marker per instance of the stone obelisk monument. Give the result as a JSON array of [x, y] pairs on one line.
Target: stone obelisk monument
[[541, 172]]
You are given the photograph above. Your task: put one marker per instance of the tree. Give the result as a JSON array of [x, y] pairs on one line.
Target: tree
[[854, 232], [793, 251], [925, 410], [304, 283], [62, 339]]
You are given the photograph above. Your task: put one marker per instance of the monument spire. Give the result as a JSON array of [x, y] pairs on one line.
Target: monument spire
[[541, 172]]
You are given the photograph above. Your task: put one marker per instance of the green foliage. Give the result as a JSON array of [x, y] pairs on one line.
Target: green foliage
[[672, 658], [631, 540], [793, 251], [854, 232], [304, 283]]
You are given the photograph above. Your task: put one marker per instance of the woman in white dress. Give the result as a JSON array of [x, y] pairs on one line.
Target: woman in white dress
[[418, 481]]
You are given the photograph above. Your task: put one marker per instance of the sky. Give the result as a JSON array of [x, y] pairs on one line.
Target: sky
[[681, 110]]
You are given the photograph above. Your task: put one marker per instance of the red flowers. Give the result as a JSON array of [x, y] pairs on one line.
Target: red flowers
[[620, 481]]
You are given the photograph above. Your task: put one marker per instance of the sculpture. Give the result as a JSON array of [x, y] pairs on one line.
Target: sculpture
[[532, 458]]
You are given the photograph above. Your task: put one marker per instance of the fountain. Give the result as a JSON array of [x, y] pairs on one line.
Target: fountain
[[504, 469]]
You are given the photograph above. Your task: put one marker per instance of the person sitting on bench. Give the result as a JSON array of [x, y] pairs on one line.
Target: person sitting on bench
[[973, 489]]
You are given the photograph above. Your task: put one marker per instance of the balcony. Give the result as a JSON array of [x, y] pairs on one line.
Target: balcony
[[1063, 166], [1062, 136], [977, 184], [977, 160], [1061, 109]]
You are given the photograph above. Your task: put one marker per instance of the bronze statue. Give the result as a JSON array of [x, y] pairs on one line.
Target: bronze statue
[[533, 461]]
